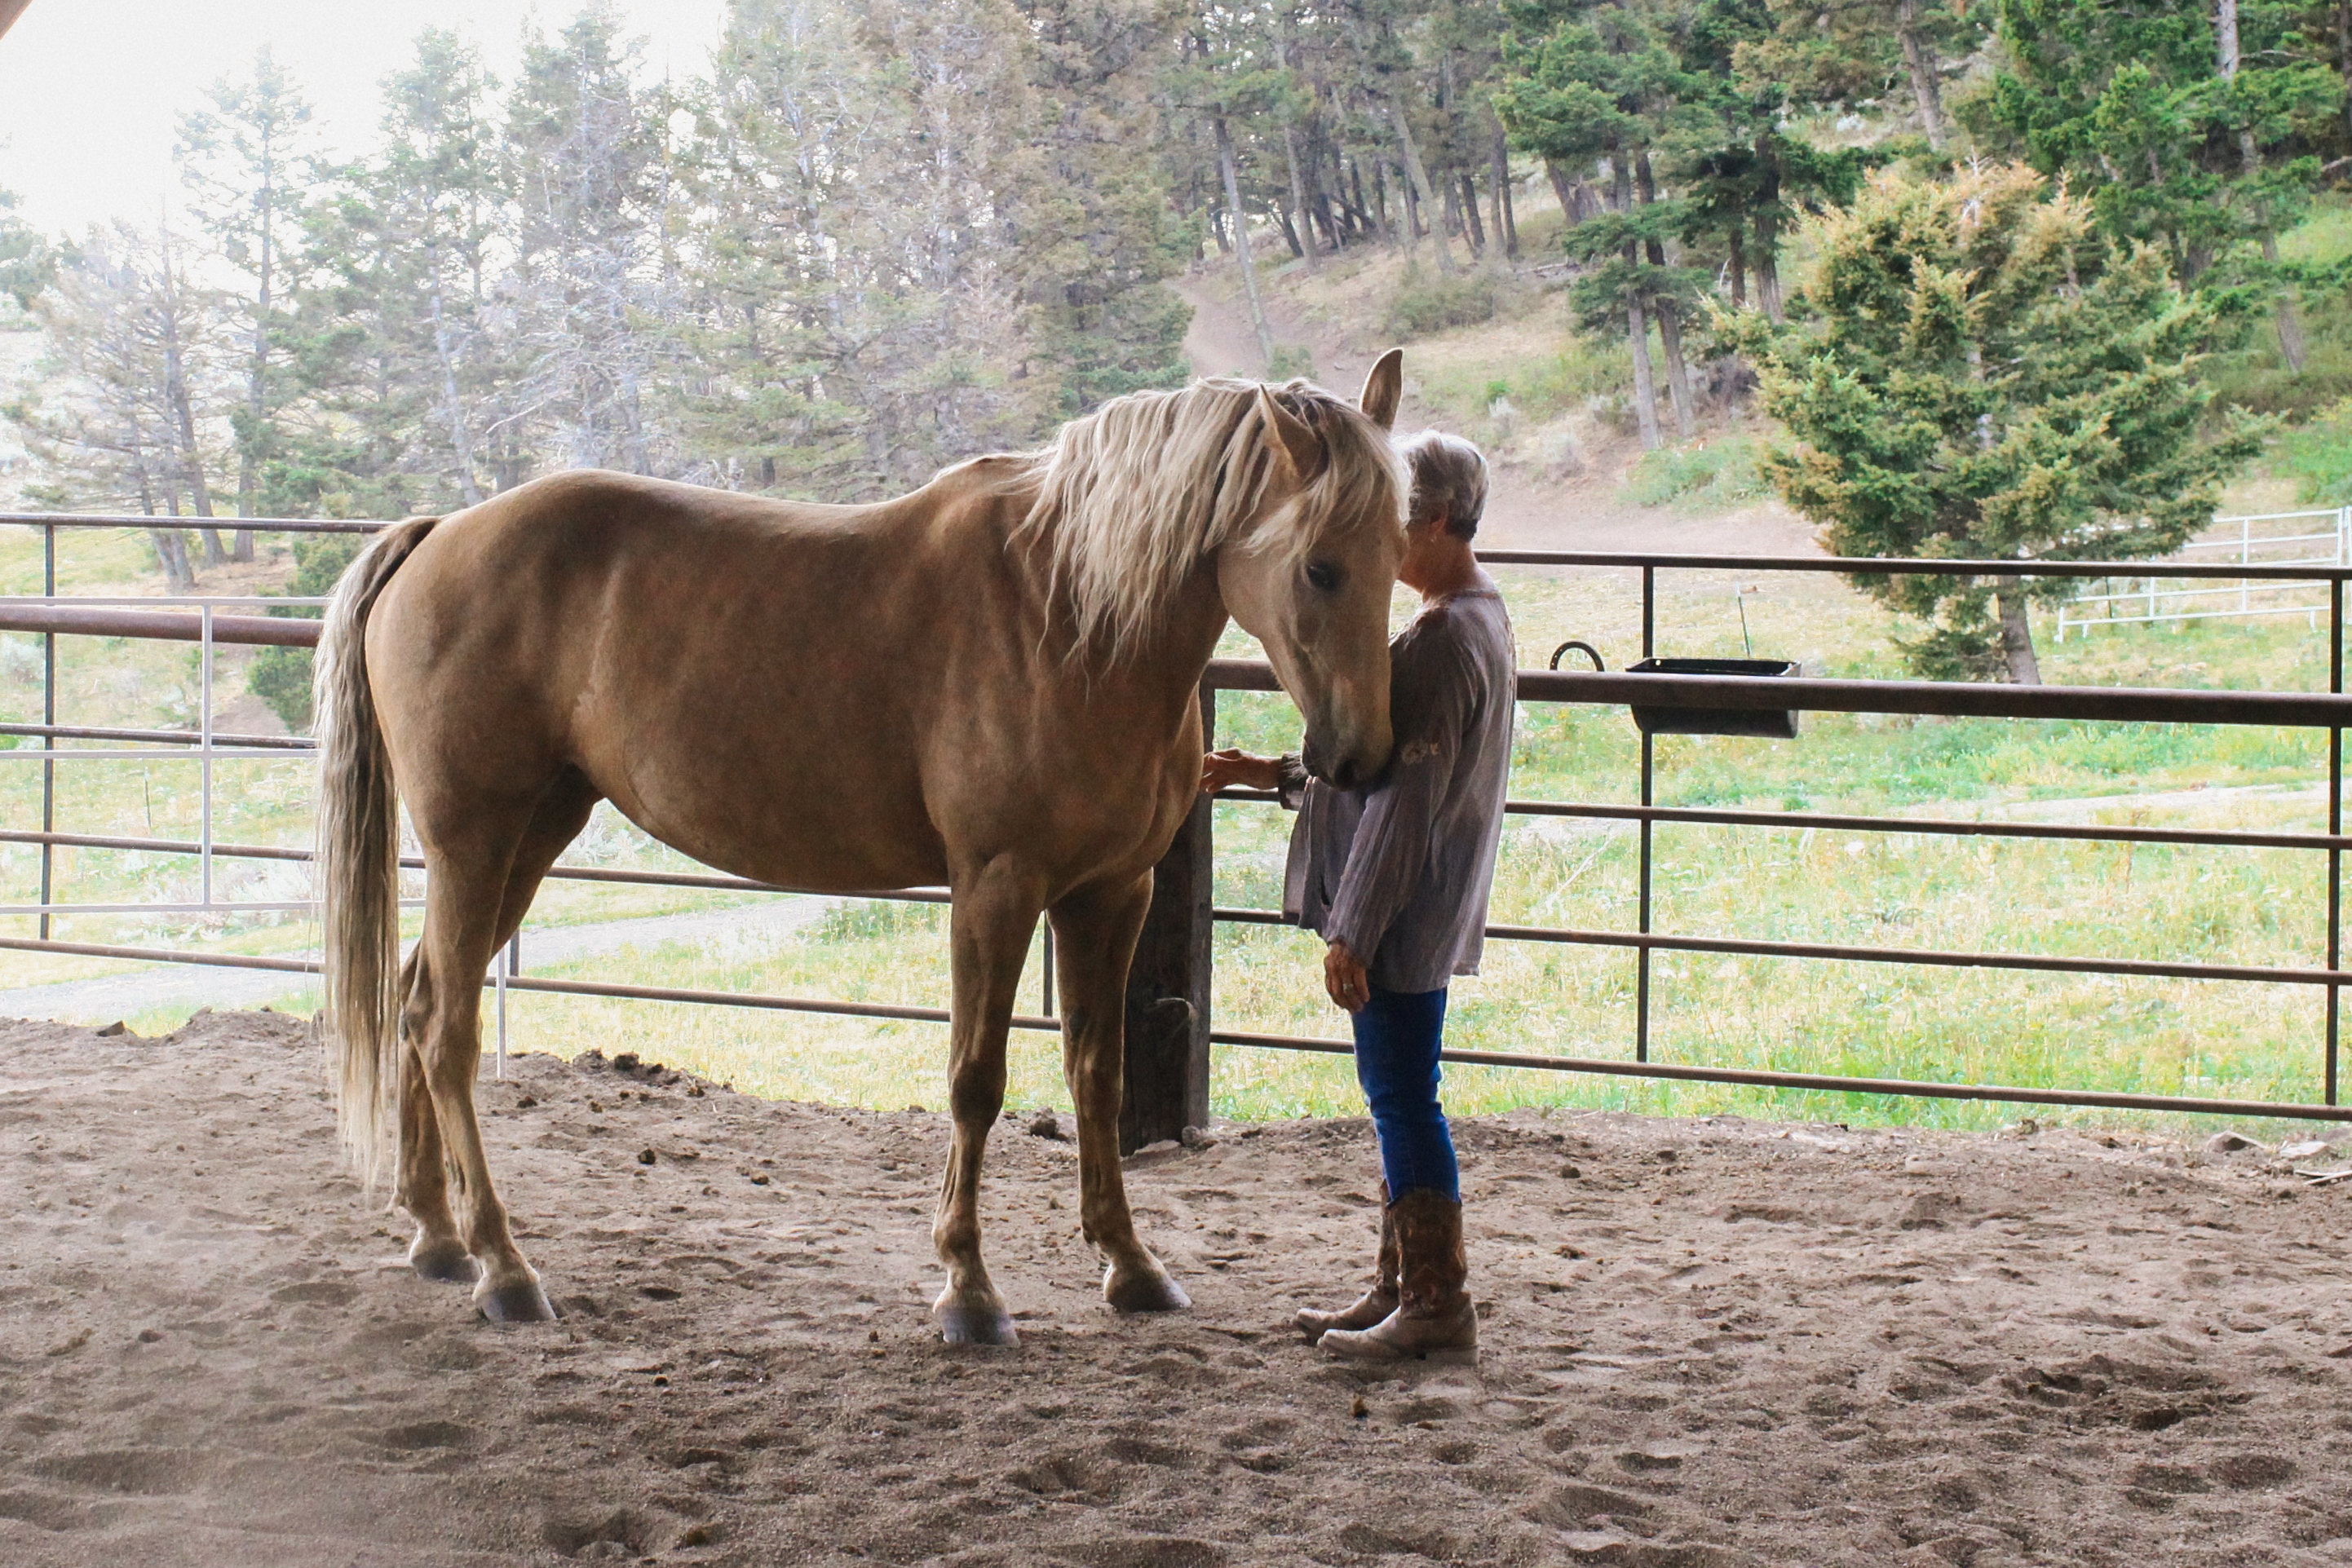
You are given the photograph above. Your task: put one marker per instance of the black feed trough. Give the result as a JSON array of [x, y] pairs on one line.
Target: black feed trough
[[1772, 723]]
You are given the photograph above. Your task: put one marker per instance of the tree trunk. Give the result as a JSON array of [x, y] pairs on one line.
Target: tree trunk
[[1768, 268], [1670, 327], [461, 438], [191, 464], [1565, 189], [2344, 57], [2016, 632], [1645, 386], [1420, 177], [1470, 214], [1231, 174], [1738, 264], [1507, 224], [1637, 325], [2290, 322], [1289, 232], [1385, 205], [2250, 158], [1304, 240], [1922, 66], [1670, 338]]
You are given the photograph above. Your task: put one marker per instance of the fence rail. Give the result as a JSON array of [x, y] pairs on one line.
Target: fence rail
[[1169, 1059], [2115, 600]]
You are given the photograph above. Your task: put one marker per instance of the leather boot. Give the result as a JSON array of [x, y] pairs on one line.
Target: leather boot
[[1434, 1320], [1376, 1302]]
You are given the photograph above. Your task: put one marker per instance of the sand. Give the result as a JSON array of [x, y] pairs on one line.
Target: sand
[[1706, 1343]]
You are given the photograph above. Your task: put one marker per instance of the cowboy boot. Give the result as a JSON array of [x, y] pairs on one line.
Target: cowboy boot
[[1375, 1303], [1434, 1320]]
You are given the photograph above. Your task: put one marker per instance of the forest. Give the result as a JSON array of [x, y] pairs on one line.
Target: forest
[[874, 238]]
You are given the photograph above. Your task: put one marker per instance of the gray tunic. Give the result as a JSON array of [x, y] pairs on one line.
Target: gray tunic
[[1400, 871]]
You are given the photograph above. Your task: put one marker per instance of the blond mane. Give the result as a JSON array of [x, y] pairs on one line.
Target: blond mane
[[1132, 496]]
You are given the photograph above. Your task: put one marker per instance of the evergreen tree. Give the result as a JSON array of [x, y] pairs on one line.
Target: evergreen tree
[[133, 384], [26, 262], [243, 159], [1984, 374], [587, 148], [2187, 128], [1845, 53]]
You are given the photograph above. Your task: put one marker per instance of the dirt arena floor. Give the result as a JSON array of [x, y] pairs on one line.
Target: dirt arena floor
[[1707, 1344]]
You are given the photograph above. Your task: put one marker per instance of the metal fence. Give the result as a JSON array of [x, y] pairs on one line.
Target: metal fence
[[2267, 539], [208, 623]]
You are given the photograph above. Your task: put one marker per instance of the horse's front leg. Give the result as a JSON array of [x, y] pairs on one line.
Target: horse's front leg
[[994, 913], [1094, 939]]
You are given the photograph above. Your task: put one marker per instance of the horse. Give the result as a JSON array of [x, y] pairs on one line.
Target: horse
[[989, 683]]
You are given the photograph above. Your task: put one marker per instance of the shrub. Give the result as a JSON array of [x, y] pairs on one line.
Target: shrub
[[1290, 359], [281, 677], [1424, 306], [1720, 472]]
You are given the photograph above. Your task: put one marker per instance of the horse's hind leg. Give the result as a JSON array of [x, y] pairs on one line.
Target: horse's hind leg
[[1094, 939], [439, 1251], [994, 911], [476, 890]]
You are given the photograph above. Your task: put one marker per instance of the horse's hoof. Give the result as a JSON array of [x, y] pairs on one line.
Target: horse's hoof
[[520, 1302], [1141, 1292], [446, 1260], [962, 1324]]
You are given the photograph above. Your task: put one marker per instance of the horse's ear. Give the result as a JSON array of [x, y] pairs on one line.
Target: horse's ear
[[1295, 448], [1384, 389]]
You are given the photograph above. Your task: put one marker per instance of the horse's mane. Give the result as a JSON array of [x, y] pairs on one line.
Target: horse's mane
[[1130, 496]]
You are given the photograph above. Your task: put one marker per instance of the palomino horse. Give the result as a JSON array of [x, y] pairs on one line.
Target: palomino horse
[[989, 683]]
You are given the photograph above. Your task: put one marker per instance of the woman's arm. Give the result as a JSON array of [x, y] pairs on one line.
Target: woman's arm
[[1237, 769]]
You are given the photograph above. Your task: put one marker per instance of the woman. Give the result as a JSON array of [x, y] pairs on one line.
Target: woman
[[1394, 878]]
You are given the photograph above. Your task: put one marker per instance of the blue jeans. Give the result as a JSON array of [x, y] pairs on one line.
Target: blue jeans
[[1397, 1037]]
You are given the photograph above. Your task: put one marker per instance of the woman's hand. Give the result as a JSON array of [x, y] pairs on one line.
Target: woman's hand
[[1344, 977], [1238, 769]]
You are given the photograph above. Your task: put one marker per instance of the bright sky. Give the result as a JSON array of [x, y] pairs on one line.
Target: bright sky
[[91, 91]]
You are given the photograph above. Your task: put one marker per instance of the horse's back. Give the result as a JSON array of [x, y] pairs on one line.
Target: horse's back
[[716, 664]]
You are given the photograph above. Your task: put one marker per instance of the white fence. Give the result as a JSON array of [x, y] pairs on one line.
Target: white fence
[[2268, 539]]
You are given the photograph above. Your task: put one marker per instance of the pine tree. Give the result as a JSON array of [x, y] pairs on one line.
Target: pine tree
[[244, 160], [1847, 53], [1986, 376], [2189, 128], [27, 264], [132, 385], [587, 146]]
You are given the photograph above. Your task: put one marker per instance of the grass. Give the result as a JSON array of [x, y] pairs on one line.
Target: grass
[[2196, 1038]]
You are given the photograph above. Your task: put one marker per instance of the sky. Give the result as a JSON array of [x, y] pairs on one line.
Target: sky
[[91, 90]]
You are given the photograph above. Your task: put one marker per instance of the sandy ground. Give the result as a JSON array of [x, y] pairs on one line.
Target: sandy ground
[[1706, 1343]]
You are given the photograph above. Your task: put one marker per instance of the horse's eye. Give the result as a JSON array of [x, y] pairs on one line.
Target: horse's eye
[[1323, 575]]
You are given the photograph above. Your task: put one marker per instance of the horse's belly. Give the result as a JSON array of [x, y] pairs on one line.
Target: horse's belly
[[835, 840]]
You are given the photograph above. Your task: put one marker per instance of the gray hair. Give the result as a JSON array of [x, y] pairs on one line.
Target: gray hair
[[1449, 477]]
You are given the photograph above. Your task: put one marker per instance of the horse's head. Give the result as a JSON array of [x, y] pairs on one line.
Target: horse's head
[[1312, 581]]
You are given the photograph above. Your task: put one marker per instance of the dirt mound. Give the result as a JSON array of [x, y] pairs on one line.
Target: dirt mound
[[1707, 1344]]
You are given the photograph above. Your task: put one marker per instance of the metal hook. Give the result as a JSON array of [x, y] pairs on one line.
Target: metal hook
[[1589, 650]]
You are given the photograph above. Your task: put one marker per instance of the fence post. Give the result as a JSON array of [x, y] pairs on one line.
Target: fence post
[[1168, 986], [48, 723]]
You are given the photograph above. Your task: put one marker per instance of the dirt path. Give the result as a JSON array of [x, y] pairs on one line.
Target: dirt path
[[1706, 1345], [1524, 511]]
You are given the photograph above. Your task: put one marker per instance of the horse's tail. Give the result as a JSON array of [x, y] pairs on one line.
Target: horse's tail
[[357, 865]]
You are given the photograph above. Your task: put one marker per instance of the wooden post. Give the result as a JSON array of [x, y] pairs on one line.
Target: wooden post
[[1167, 988]]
